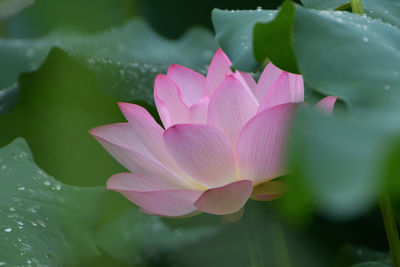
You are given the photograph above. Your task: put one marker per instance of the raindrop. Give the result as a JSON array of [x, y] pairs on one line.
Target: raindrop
[[365, 39], [259, 8], [41, 223], [7, 230]]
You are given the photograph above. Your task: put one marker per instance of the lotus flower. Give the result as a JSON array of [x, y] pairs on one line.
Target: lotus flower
[[223, 143]]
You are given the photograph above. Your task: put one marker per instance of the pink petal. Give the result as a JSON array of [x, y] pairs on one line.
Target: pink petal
[[198, 112], [289, 88], [147, 130], [247, 79], [138, 182], [268, 77], [203, 152], [268, 191], [225, 199], [326, 104], [231, 106], [220, 66], [153, 195], [169, 102], [190, 83], [261, 144], [125, 145]]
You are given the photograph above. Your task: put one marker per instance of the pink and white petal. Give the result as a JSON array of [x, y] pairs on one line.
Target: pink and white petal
[[164, 202], [289, 88], [326, 104], [203, 152], [226, 199], [268, 191], [247, 79], [198, 112], [220, 66], [190, 83], [261, 144], [138, 182], [121, 135], [268, 77], [169, 102], [231, 107], [121, 141], [147, 131]]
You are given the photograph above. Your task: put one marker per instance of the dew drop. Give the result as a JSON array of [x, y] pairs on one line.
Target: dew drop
[[7, 230]]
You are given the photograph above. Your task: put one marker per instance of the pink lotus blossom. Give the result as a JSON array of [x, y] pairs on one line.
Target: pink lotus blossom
[[224, 142]]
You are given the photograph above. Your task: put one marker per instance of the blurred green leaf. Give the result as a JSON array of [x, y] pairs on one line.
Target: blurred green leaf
[[42, 221], [340, 162], [9, 8], [125, 60]]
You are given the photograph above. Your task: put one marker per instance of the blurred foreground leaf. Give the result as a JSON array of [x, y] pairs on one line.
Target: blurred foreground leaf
[[340, 162], [42, 221], [125, 60]]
